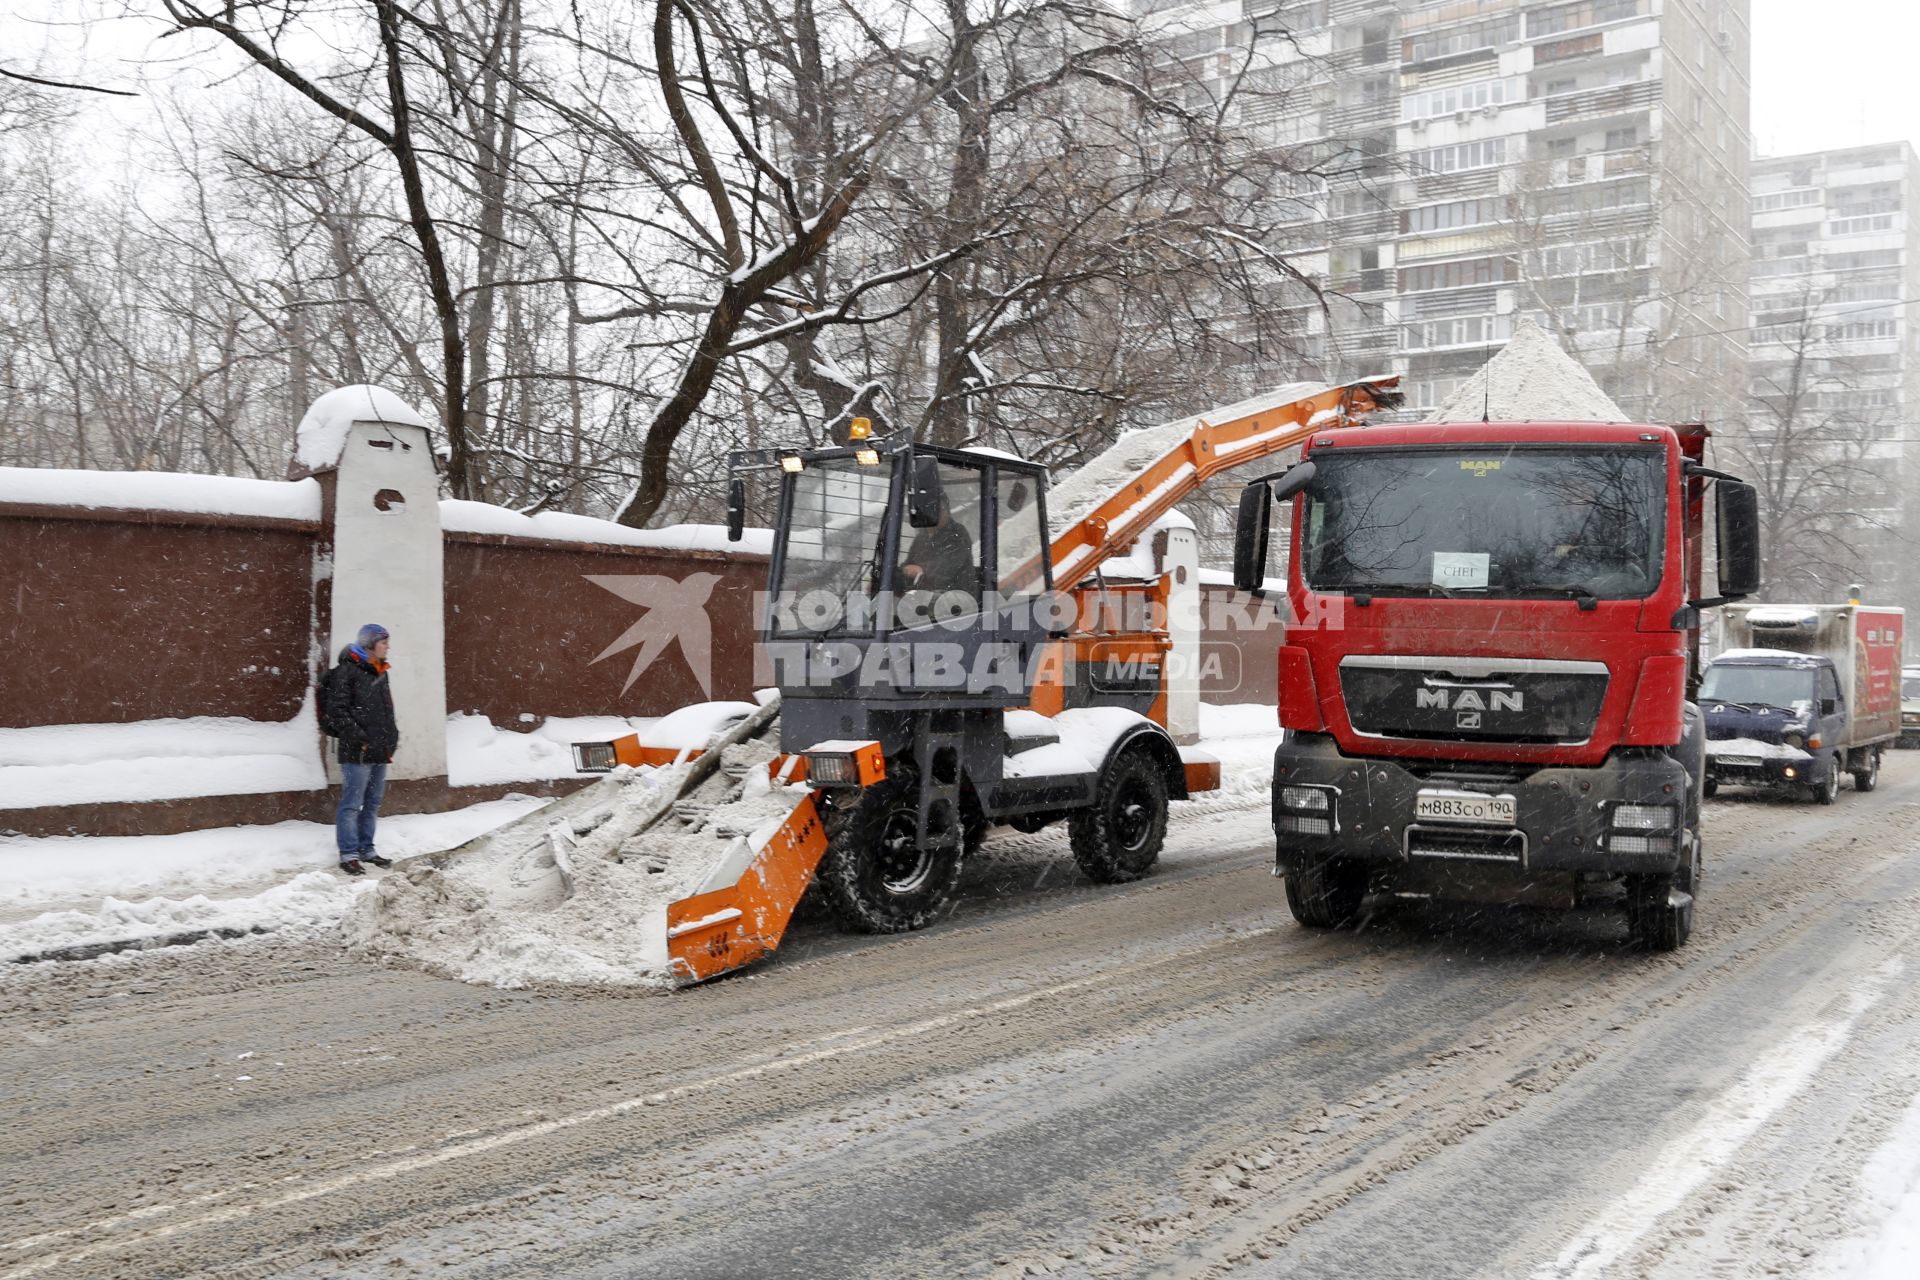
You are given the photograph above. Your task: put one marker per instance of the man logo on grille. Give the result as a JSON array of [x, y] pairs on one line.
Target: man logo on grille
[[1466, 720]]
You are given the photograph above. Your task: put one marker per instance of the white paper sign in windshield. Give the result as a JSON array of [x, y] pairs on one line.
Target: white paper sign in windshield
[[1460, 569]]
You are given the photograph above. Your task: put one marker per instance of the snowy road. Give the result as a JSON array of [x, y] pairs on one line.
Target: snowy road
[[1162, 1079]]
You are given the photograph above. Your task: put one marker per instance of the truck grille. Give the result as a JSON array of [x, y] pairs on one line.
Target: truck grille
[[1504, 700], [1467, 844]]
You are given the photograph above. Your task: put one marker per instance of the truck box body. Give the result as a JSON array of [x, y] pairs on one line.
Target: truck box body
[[1862, 641]]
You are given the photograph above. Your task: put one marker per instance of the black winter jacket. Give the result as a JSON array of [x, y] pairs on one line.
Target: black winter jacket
[[360, 702]]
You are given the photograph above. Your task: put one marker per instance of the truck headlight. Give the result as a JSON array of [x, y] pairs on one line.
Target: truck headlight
[[1305, 826], [1795, 740], [1309, 799], [1639, 844], [1644, 817]]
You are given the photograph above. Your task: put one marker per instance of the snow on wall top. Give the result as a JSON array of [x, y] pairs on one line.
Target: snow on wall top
[[479, 517], [161, 491], [1530, 380], [1073, 498], [322, 433]]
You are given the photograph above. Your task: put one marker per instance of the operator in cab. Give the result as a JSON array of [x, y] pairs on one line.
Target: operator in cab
[[940, 558]]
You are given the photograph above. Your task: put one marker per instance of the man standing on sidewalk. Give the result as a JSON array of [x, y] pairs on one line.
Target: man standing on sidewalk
[[359, 708]]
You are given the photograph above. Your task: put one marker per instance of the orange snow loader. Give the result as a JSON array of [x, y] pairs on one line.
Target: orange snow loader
[[947, 657]]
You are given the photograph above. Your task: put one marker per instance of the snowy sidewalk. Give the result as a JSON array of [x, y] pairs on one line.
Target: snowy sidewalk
[[64, 892], [67, 894]]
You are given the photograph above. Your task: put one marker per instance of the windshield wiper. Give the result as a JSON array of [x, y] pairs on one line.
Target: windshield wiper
[[1587, 597]]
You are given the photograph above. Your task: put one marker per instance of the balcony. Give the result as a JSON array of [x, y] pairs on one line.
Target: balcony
[[1602, 165], [1594, 104]]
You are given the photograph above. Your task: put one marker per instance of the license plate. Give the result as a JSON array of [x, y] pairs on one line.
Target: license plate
[[1739, 762], [1465, 806]]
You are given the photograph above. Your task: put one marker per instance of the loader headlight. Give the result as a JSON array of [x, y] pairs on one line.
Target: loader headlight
[[594, 757], [832, 768]]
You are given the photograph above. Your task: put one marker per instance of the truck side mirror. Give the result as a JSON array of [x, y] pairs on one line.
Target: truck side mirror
[[1250, 533], [736, 507], [924, 493], [1737, 510], [1830, 706], [1253, 527]]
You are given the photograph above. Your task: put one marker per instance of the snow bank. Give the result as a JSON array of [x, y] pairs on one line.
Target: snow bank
[[40, 873], [457, 516], [161, 491], [322, 433], [1530, 380], [480, 754], [1242, 736], [158, 760]]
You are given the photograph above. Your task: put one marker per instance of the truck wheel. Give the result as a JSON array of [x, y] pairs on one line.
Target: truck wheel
[[1710, 788], [1868, 778], [875, 875], [1652, 920], [1326, 893], [1118, 838], [1825, 790]]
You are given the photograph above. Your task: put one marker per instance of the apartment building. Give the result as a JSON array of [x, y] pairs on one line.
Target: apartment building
[[1836, 366], [1463, 161]]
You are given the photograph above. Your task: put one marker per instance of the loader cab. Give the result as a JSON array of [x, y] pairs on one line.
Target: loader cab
[[901, 571]]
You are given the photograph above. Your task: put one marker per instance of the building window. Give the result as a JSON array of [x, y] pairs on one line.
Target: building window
[[1860, 226], [1460, 157], [1455, 213], [1456, 275], [1465, 97], [1621, 139]]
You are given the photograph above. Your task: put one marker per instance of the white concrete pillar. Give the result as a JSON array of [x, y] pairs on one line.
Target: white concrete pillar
[[387, 568], [1180, 563]]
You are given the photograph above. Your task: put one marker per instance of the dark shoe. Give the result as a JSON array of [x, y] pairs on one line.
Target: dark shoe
[[352, 867], [377, 860]]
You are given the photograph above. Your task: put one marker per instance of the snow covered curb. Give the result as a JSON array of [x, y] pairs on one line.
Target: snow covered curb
[[71, 893]]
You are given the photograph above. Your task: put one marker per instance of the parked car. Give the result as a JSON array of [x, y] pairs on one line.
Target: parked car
[[1909, 707]]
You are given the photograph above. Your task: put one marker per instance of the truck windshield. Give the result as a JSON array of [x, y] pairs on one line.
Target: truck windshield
[[1494, 521], [832, 545], [1781, 687]]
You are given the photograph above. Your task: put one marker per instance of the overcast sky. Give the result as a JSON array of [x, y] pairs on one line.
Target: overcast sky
[[1826, 73], [1834, 73]]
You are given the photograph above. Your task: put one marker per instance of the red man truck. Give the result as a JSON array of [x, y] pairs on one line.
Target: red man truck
[[1487, 670]]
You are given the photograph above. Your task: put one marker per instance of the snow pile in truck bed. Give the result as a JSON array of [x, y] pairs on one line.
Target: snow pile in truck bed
[[578, 895], [1530, 380]]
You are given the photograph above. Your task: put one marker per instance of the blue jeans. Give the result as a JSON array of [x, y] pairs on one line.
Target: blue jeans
[[361, 788]]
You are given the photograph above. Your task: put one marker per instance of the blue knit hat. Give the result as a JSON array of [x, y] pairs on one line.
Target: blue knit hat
[[370, 635]]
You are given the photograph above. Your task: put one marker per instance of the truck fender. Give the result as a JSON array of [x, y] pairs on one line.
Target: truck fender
[[1691, 752]]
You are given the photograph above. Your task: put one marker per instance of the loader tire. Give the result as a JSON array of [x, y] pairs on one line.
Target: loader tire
[[1118, 837], [875, 876], [1326, 893]]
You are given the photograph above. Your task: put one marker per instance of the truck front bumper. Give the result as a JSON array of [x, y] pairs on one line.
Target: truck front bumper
[[1564, 818]]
